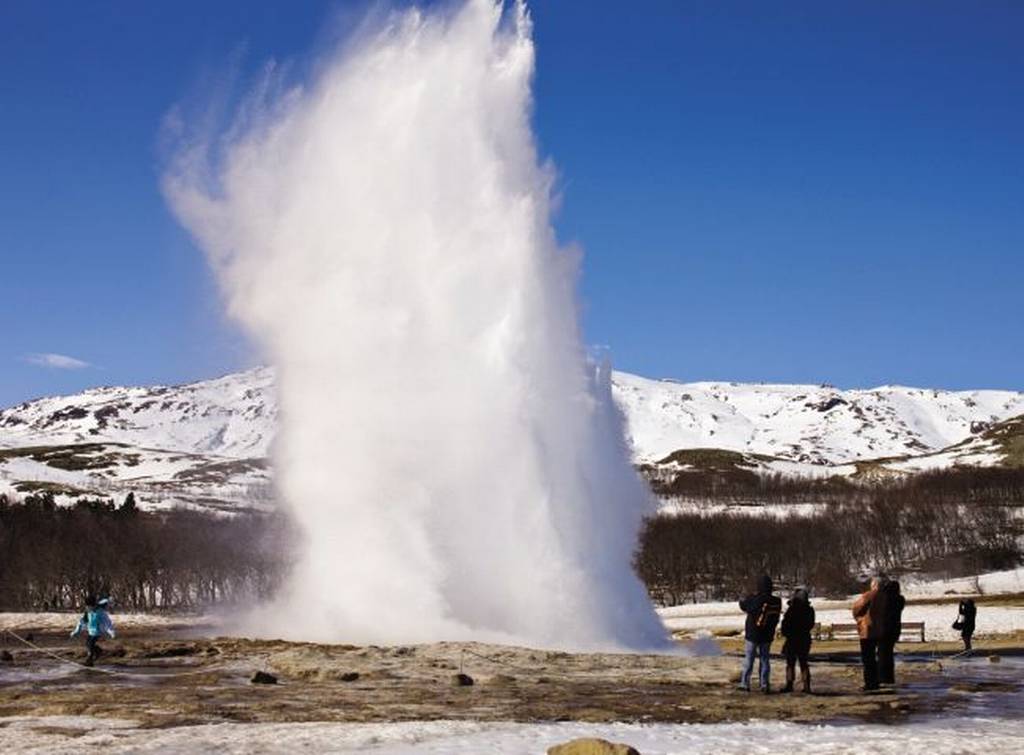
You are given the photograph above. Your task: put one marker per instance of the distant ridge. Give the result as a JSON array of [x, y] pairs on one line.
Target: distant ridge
[[206, 444]]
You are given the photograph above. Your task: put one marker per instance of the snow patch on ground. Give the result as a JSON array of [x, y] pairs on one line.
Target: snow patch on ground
[[54, 621], [73, 734], [722, 617], [1009, 582]]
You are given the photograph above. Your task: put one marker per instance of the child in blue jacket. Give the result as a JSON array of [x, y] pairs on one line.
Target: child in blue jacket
[[95, 621]]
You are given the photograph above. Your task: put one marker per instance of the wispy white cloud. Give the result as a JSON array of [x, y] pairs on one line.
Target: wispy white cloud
[[56, 361]]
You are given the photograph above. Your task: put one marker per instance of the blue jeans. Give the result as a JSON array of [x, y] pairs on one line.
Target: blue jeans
[[762, 651]]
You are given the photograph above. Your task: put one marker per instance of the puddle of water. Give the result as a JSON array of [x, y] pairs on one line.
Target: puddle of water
[[54, 673], [985, 689], [19, 674]]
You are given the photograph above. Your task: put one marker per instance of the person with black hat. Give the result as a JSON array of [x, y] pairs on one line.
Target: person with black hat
[[797, 625]]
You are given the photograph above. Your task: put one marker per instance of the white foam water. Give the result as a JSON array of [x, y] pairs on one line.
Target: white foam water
[[384, 231]]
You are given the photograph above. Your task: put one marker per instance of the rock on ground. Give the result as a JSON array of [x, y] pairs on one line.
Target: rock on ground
[[591, 746]]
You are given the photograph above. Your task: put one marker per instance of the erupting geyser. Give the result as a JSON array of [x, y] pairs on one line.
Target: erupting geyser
[[457, 466]]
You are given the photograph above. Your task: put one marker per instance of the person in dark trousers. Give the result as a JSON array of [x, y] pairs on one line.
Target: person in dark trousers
[[891, 630], [763, 610], [869, 610], [96, 622], [797, 625], [965, 622]]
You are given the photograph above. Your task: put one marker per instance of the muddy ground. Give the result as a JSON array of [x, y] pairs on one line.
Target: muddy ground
[[160, 678]]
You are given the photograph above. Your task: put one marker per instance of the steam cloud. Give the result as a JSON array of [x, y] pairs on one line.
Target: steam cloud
[[455, 462]]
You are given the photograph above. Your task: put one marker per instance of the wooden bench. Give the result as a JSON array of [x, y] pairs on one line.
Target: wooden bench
[[849, 631]]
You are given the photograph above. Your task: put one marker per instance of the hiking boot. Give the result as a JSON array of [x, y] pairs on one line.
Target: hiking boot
[[766, 690], [790, 678], [805, 677], [742, 688]]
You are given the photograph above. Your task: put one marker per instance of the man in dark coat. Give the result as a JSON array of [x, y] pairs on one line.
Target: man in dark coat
[[763, 610], [965, 622], [797, 625], [892, 626]]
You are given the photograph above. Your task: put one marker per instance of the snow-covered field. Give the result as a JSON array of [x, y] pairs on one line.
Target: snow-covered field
[[1009, 582], [55, 621], [938, 618], [989, 721], [693, 617], [950, 735]]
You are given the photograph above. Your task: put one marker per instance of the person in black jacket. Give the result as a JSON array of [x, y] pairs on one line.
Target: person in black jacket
[[763, 610], [797, 625], [965, 622], [892, 626]]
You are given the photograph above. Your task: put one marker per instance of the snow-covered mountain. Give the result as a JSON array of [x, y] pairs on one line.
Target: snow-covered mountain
[[814, 424], [231, 416], [206, 444], [202, 445]]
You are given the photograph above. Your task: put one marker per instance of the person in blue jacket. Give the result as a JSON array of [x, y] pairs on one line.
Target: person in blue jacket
[[96, 622]]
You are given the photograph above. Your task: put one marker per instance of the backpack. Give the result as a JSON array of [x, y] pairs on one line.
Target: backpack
[[769, 613]]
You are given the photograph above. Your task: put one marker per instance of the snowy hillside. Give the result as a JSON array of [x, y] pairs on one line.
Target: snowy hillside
[[206, 444], [806, 423], [201, 445], [228, 416]]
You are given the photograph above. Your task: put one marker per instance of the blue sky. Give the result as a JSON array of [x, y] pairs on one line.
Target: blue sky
[[798, 192]]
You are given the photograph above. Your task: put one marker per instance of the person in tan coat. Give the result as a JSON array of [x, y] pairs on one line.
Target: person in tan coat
[[869, 611]]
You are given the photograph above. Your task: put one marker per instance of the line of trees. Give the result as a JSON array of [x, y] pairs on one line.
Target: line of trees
[[725, 483], [695, 556], [53, 556], [953, 521]]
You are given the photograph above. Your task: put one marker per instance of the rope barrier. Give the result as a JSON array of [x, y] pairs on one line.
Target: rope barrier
[[110, 672], [464, 651], [44, 651], [660, 673]]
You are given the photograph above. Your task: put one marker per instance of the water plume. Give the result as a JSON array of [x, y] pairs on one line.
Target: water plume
[[454, 460]]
